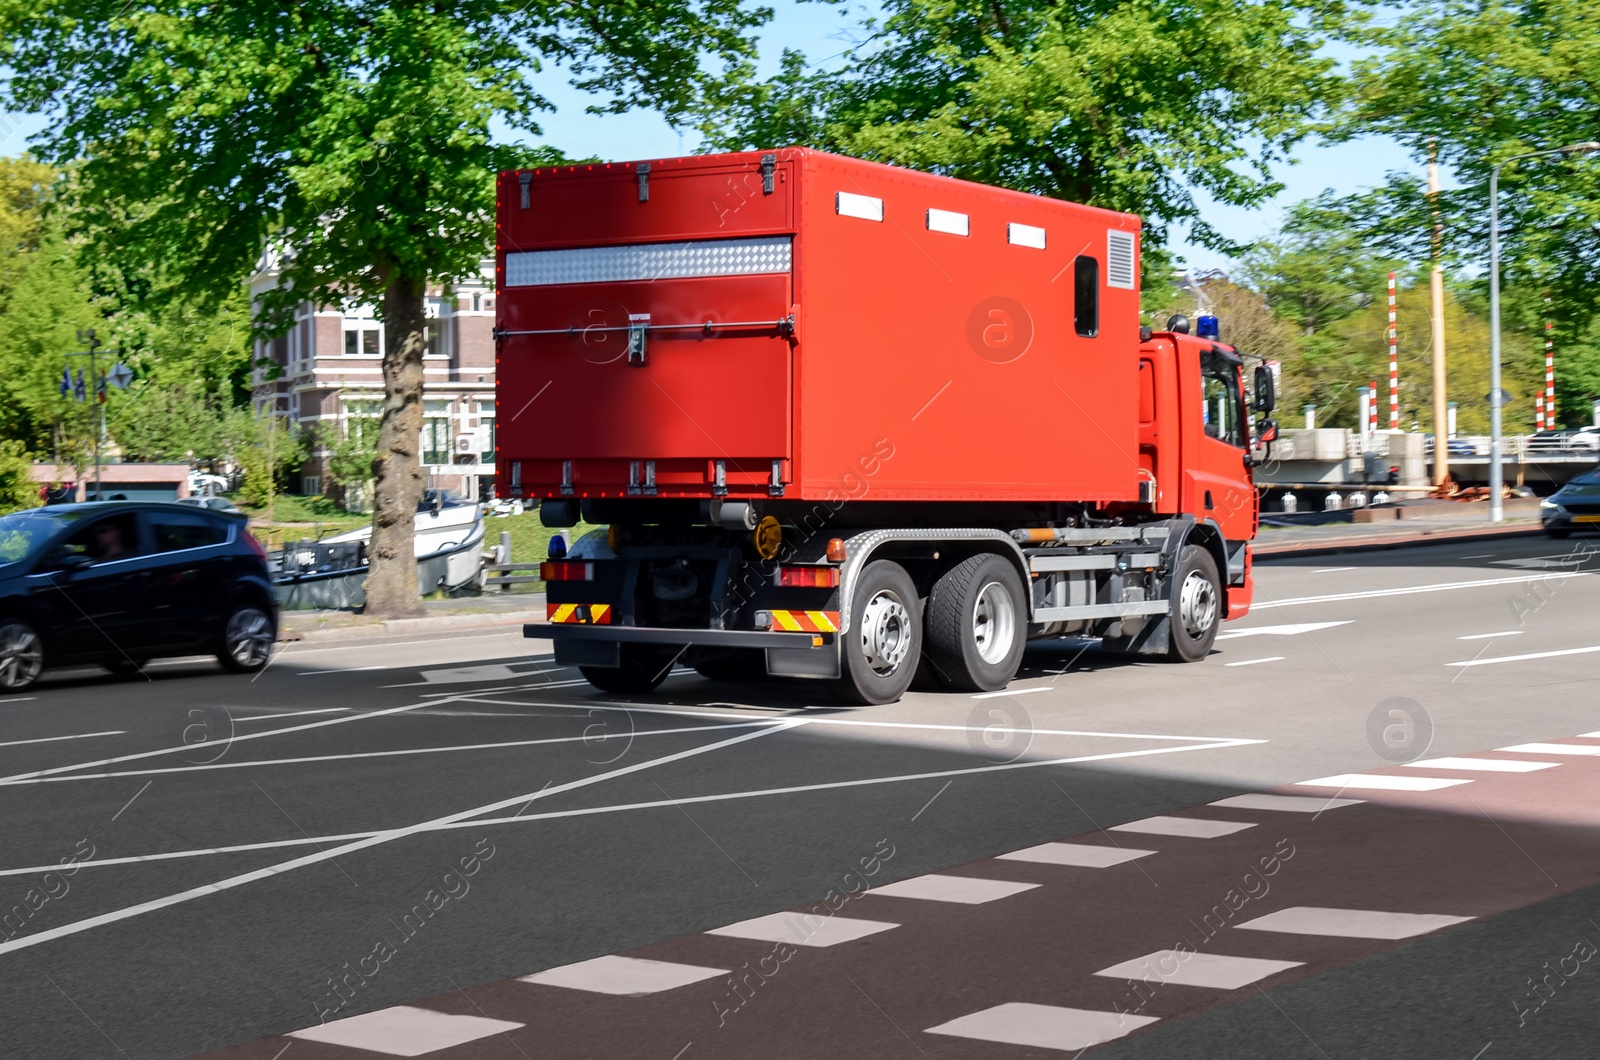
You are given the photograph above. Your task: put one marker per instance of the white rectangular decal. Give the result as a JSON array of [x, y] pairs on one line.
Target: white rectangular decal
[[1119, 259], [849, 204], [1025, 235], [947, 221]]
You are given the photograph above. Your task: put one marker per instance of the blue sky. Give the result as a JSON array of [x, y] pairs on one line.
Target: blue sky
[[822, 31]]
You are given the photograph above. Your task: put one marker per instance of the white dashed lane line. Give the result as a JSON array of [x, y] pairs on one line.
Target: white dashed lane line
[[1292, 629], [1482, 765], [53, 739], [1525, 658], [1381, 782], [1489, 636], [1252, 662]]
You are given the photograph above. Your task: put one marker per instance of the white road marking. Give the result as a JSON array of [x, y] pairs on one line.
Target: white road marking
[[1214, 970], [1290, 630], [1481, 765], [653, 805], [642, 708], [346, 670], [19, 699], [1350, 923], [1482, 555], [1330, 570], [378, 839], [404, 1030], [1186, 827], [54, 739], [1489, 636], [1081, 855], [627, 976], [1552, 749], [385, 754], [1258, 800], [1524, 658], [1437, 587], [1012, 692], [962, 890], [1043, 1026], [1252, 662], [1382, 782], [1542, 562], [292, 714], [801, 929], [1589, 736]]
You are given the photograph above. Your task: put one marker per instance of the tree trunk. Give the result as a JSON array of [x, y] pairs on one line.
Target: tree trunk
[[396, 469]]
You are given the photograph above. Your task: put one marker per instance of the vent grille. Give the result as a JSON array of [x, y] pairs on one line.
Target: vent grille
[[650, 261], [1119, 259]]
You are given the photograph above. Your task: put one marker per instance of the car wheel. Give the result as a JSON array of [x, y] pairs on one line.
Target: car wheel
[[1196, 613], [247, 638], [21, 655], [881, 652], [124, 667], [976, 624]]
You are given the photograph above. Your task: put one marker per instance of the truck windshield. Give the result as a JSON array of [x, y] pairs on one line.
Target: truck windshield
[[1224, 408]]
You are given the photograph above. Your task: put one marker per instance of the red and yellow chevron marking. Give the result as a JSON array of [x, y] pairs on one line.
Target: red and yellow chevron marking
[[579, 614], [806, 621]]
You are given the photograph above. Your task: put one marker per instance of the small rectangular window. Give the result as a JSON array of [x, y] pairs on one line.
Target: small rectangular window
[[351, 340], [948, 221], [369, 341], [1086, 296], [866, 207], [1025, 235]]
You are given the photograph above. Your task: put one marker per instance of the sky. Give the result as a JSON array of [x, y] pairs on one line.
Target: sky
[[822, 31]]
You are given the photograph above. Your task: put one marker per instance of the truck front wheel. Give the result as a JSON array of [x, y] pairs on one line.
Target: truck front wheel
[[880, 651], [644, 666], [1196, 612], [977, 624]]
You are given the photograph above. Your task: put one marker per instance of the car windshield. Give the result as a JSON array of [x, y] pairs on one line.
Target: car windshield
[[1588, 478], [22, 533]]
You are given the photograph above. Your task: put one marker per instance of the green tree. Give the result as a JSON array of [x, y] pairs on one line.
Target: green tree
[[352, 136], [1134, 106], [17, 488], [266, 450]]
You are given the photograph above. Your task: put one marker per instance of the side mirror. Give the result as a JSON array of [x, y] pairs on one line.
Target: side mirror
[[1266, 397], [74, 562], [1267, 431]]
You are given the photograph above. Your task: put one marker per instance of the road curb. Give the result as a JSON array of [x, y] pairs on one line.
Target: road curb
[[1373, 544], [424, 624]]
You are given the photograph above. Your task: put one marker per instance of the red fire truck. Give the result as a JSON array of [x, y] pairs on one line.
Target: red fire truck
[[839, 420]]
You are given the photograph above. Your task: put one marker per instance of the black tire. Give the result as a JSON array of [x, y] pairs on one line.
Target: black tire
[[1559, 533], [976, 625], [247, 636], [644, 667], [737, 665], [124, 667], [1194, 618], [21, 655], [886, 613]]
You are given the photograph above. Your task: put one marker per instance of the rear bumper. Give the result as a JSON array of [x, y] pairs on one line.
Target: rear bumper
[[712, 638]]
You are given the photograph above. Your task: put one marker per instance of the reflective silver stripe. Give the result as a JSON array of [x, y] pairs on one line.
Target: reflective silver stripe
[[1119, 259], [650, 261]]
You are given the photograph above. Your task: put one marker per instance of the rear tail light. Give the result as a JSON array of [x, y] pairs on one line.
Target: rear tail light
[[809, 577], [566, 571], [255, 546]]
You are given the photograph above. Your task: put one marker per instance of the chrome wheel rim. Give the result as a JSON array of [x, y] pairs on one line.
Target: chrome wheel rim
[[994, 623], [885, 632], [249, 636], [1197, 605], [21, 656]]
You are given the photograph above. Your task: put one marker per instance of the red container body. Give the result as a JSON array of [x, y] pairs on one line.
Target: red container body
[[934, 353]]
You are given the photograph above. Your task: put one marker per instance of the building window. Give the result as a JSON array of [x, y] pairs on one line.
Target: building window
[[362, 337], [486, 436], [435, 330], [311, 485], [436, 433]]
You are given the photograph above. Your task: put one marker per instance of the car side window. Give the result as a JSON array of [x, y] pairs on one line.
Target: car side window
[[104, 540], [177, 530]]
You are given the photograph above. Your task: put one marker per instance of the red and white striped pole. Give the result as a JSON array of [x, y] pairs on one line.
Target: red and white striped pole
[[1538, 412], [1394, 365], [1549, 367], [1372, 410]]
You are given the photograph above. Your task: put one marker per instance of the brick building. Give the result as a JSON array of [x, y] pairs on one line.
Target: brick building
[[330, 380]]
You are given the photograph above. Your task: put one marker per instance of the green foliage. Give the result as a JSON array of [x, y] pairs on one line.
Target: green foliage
[[266, 451], [350, 457], [1132, 106], [17, 488]]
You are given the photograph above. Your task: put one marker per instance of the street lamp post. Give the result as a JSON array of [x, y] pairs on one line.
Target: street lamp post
[[1496, 471]]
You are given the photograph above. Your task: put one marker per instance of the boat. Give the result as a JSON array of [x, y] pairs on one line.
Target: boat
[[332, 573]]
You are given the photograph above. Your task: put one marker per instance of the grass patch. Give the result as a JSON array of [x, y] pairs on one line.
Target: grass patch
[[291, 517], [530, 542]]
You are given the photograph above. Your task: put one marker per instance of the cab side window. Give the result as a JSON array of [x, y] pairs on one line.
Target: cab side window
[[104, 540], [175, 531]]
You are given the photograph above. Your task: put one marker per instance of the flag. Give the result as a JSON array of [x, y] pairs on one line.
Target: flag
[[66, 382], [77, 387], [100, 390]]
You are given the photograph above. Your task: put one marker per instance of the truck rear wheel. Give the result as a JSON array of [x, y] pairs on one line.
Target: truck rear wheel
[[880, 652], [1196, 611], [644, 666], [977, 625]]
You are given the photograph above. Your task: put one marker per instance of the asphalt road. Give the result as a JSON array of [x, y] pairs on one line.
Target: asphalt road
[[171, 891]]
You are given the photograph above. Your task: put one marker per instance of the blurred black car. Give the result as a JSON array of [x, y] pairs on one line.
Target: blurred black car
[[121, 583], [1575, 506]]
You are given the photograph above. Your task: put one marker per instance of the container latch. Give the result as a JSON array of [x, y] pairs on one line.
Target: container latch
[[638, 328], [769, 163], [775, 488], [525, 179], [643, 170]]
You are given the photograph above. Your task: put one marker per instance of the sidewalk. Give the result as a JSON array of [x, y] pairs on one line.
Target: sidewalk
[[488, 611]]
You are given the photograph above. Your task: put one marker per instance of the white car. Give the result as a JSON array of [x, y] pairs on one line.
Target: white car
[[215, 504], [1585, 438]]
